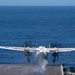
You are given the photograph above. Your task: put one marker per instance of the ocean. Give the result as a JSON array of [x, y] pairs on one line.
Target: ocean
[[38, 25]]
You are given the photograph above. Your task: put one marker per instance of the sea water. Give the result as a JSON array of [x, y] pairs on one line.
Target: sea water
[[39, 24]]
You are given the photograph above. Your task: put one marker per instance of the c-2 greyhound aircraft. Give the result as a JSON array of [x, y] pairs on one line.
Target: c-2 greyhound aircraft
[[40, 51]]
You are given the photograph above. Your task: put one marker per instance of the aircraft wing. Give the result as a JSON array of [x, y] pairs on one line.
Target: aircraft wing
[[12, 48], [19, 48], [61, 49], [33, 49]]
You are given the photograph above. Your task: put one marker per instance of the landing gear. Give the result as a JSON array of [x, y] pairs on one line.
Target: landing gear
[[27, 54], [54, 56]]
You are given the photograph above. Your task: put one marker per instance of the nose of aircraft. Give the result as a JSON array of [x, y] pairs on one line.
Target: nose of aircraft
[[40, 56]]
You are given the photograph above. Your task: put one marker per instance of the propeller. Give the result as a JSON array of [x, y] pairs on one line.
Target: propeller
[[26, 52], [55, 55]]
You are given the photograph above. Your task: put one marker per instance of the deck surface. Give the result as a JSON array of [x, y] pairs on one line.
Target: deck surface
[[13, 69]]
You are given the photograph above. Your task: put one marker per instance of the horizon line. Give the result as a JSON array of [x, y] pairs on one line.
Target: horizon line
[[37, 5]]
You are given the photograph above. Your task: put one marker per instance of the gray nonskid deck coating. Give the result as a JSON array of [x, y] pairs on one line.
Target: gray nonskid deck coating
[[17, 69]]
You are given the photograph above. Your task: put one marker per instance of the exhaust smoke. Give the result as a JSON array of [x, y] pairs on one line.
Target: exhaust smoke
[[40, 68]]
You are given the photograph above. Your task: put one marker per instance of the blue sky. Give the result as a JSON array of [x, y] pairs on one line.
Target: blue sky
[[38, 2]]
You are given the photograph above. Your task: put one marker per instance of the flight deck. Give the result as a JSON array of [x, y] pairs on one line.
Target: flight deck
[[21, 69]]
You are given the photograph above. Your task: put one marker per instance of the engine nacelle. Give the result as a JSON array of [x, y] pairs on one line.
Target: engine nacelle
[[40, 56]]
